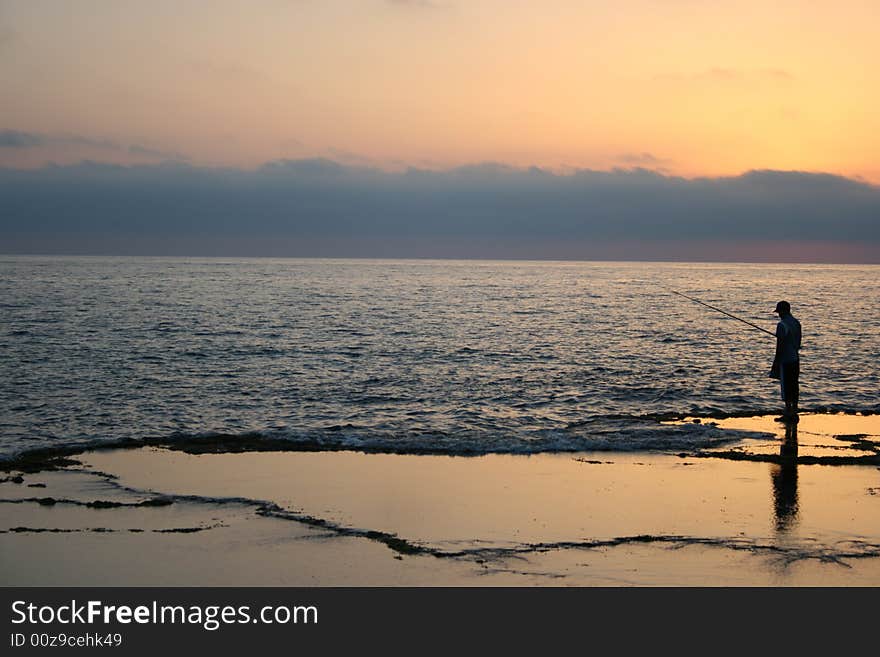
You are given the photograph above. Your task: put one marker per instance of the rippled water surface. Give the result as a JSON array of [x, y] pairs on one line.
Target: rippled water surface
[[455, 356]]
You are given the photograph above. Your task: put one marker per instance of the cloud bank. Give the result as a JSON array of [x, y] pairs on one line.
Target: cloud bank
[[322, 208], [18, 140]]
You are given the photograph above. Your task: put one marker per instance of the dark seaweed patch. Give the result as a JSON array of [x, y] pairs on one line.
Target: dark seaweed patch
[[867, 459], [104, 530], [40, 460], [95, 504]]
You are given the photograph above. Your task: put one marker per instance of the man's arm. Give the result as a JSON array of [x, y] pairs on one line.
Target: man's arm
[[775, 368], [781, 332]]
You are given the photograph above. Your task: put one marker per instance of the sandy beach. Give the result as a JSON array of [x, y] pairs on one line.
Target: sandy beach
[[771, 509]]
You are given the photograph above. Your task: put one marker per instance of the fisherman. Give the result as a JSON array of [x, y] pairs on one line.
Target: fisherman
[[786, 363]]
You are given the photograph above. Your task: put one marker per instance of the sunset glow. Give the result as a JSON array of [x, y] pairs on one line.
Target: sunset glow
[[685, 87]]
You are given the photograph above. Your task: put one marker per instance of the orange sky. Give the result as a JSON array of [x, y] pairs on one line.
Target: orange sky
[[686, 86]]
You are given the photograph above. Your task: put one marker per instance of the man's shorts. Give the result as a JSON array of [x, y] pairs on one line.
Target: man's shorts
[[789, 375]]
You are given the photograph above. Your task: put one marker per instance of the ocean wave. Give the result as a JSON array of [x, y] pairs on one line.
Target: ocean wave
[[657, 432], [606, 434]]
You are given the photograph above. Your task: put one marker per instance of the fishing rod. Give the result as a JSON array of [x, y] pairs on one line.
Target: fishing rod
[[723, 312]]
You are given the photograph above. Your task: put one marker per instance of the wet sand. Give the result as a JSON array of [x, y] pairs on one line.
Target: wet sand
[[801, 508]]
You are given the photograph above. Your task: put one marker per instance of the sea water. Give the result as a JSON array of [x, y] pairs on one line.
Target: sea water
[[443, 356]]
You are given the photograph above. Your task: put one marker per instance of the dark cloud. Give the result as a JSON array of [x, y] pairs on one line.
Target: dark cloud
[[320, 207], [79, 140], [310, 169], [19, 139], [144, 151]]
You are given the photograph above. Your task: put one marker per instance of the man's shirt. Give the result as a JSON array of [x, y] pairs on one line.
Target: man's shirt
[[788, 336]]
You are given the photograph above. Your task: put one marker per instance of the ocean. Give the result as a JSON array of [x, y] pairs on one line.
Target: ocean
[[415, 356]]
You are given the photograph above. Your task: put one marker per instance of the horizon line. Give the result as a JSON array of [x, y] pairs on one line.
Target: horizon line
[[441, 259]]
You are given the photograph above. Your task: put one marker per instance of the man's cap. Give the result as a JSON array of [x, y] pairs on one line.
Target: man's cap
[[783, 307]]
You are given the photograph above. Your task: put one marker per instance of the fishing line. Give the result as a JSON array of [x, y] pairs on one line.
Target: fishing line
[[723, 312]]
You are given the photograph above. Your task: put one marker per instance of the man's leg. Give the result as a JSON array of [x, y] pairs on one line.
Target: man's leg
[[784, 393], [790, 392]]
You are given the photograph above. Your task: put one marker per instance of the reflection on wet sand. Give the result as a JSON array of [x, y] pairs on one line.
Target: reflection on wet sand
[[784, 476]]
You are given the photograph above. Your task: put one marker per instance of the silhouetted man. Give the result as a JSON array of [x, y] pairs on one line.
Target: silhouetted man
[[786, 363]]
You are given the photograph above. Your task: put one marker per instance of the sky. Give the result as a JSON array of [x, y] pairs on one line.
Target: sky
[[704, 96]]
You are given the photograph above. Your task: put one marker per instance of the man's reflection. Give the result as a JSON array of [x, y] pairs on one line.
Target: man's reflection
[[784, 476]]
